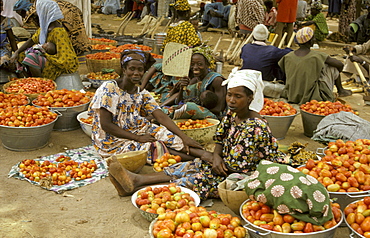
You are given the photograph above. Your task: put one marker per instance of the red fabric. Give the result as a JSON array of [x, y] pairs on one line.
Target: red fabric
[[137, 6], [287, 10], [243, 27]]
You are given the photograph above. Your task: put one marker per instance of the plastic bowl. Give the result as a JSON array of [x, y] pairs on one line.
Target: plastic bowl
[[201, 135], [152, 216], [87, 128]]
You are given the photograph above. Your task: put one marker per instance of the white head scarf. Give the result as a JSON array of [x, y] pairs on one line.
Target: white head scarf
[[48, 11], [9, 12], [252, 79]]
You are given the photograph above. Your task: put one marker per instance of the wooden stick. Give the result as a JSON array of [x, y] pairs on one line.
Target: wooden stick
[[359, 71], [156, 26], [167, 25], [126, 23], [235, 49], [282, 40], [228, 49], [123, 21], [239, 48], [291, 40], [274, 40], [216, 46]]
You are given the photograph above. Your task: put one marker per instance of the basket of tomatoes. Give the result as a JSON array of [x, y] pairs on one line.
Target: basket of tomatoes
[[121, 48], [31, 87], [263, 221], [199, 130], [103, 60], [279, 116], [25, 128], [98, 78], [105, 41], [69, 103], [11, 100], [314, 111]]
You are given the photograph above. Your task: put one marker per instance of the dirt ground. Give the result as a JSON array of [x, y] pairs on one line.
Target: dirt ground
[[96, 210]]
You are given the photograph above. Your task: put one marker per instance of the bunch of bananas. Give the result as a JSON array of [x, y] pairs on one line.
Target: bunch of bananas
[[298, 154]]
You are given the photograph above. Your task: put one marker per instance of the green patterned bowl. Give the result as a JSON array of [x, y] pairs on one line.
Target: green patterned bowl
[[201, 135]]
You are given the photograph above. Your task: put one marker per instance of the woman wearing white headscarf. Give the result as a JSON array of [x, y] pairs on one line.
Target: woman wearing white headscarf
[[51, 30], [242, 140]]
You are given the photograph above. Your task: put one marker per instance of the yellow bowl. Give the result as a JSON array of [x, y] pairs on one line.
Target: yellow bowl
[[133, 161], [201, 135]]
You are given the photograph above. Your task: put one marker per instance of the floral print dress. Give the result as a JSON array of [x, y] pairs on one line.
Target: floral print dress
[[244, 146], [129, 113]]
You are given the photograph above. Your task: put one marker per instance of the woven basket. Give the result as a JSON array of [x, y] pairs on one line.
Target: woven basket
[[30, 96], [97, 41], [97, 65]]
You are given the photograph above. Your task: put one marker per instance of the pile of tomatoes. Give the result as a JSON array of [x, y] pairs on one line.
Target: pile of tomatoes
[[11, 100], [358, 216], [271, 108], [62, 171], [26, 116], [344, 168], [197, 222], [63, 98], [265, 217], [103, 56], [160, 199], [102, 76], [102, 47], [30, 86], [325, 108], [103, 40], [156, 56], [165, 161], [194, 124], [121, 48]]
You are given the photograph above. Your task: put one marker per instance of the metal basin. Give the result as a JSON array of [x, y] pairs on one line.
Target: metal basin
[[310, 122], [69, 81], [279, 125]]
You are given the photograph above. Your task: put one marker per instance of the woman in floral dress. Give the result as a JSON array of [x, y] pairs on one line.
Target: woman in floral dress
[[120, 109], [243, 139]]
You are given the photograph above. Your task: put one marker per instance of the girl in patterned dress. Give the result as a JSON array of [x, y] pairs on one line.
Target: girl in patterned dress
[[120, 110], [242, 139]]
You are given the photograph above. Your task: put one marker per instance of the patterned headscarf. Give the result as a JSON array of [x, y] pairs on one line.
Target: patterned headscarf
[[48, 11], [304, 35], [22, 5], [251, 79], [317, 5], [207, 52], [144, 57], [182, 5]]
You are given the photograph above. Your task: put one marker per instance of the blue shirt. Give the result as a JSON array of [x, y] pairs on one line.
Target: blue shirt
[[263, 58]]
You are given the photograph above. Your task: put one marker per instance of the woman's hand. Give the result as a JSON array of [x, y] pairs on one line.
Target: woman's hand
[[354, 58], [219, 166], [14, 57], [188, 142], [349, 48], [183, 82], [146, 138]]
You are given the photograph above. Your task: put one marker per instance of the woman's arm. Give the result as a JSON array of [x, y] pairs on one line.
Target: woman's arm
[[220, 91], [109, 127], [24, 47], [147, 77]]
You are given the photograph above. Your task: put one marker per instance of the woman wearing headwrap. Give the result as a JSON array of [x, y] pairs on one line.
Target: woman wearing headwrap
[[72, 21], [242, 139], [120, 109], [201, 78], [317, 21], [51, 30], [7, 38], [310, 75], [182, 31]]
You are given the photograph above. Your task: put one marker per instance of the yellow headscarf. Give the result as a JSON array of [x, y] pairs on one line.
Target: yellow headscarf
[[182, 5]]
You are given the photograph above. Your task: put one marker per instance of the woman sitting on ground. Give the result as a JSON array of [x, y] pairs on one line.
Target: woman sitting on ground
[[51, 30], [120, 109], [242, 139], [318, 22]]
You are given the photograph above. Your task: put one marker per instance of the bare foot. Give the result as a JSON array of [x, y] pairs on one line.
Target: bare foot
[[344, 93], [120, 190], [122, 176]]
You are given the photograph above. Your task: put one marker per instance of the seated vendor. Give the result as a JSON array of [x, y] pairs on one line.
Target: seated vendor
[[216, 15], [317, 22], [242, 139], [311, 74]]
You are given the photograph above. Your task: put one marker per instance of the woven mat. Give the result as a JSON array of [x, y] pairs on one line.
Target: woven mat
[[79, 155]]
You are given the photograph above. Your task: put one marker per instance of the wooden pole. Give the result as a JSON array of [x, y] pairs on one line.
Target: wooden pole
[[216, 46], [282, 40], [274, 40], [230, 46], [125, 17], [291, 40]]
